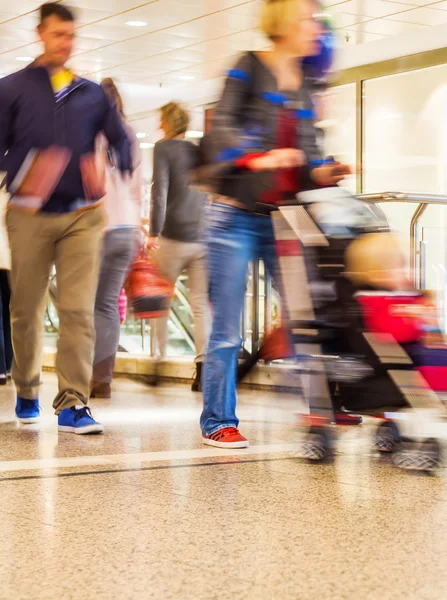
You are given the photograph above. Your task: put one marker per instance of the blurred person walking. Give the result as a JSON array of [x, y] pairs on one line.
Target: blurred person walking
[[264, 139], [6, 353], [49, 121], [121, 240], [176, 226]]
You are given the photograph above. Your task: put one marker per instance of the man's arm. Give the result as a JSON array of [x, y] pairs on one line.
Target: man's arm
[[115, 132]]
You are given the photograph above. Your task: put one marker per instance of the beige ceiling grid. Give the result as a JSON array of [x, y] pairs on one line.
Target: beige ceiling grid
[[171, 42]]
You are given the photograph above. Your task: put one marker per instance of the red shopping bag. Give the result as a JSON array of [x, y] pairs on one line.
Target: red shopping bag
[[149, 293]]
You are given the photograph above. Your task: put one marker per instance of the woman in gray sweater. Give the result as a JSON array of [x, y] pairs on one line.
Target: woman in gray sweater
[[177, 214]]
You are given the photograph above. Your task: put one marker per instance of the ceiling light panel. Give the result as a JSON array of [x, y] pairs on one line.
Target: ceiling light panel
[[170, 41], [115, 6], [84, 16], [345, 20], [422, 16], [117, 30], [18, 8], [387, 27], [373, 8]]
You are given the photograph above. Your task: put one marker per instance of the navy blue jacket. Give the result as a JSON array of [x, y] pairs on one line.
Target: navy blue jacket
[[32, 118]]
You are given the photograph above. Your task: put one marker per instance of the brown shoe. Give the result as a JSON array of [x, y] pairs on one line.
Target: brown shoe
[[100, 390], [196, 385]]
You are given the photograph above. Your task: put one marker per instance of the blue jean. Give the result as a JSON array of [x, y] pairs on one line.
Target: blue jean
[[234, 238], [119, 249]]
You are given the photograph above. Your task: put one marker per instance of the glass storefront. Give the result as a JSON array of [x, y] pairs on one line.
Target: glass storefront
[[404, 148]]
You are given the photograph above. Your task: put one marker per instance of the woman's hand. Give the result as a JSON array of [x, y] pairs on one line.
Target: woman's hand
[[331, 174], [153, 243], [282, 158]]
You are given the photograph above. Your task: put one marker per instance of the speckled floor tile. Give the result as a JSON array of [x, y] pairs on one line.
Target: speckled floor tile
[[247, 526]]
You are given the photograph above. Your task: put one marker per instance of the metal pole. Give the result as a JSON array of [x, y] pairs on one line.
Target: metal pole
[[423, 265], [414, 253], [255, 307], [268, 297]]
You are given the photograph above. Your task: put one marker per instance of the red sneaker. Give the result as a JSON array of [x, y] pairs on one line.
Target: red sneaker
[[344, 418], [228, 437]]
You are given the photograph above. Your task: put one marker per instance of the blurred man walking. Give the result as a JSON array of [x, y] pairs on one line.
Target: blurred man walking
[[49, 119]]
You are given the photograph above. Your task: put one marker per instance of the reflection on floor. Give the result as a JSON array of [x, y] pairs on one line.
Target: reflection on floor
[[146, 511]]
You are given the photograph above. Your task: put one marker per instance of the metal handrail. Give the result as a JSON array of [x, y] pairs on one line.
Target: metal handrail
[[404, 197], [423, 201]]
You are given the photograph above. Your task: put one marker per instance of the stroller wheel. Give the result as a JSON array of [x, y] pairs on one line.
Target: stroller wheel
[[318, 444], [418, 456], [387, 437]]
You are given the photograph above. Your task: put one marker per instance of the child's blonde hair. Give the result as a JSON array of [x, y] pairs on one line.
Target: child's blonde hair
[[373, 253], [175, 117], [277, 16]]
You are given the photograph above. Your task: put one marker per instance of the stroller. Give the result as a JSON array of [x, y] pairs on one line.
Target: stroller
[[346, 365]]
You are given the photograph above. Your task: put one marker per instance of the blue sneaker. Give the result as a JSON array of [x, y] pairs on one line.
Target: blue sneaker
[[78, 420], [27, 411]]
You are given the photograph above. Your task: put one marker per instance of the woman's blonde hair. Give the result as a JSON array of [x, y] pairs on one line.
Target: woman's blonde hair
[[112, 92], [175, 118], [277, 16]]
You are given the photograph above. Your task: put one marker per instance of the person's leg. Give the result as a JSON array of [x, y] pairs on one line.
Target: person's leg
[[6, 296], [117, 254], [199, 299], [3, 378], [230, 248], [197, 270], [31, 239], [171, 259], [77, 265]]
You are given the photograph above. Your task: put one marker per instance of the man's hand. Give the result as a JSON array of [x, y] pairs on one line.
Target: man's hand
[[331, 174], [153, 243], [283, 158]]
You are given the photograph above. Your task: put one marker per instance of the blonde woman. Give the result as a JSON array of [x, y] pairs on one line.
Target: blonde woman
[[263, 130], [123, 208], [176, 228]]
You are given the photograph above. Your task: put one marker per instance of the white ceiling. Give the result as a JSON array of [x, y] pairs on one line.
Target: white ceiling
[[189, 40], [186, 44]]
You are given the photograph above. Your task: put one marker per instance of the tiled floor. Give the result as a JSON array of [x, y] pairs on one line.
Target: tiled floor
[[146, 511]]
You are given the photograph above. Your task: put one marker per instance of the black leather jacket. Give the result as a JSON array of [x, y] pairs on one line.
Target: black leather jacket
[[246, 121]]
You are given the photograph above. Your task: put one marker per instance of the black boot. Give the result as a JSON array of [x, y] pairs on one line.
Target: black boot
[[196, 385]]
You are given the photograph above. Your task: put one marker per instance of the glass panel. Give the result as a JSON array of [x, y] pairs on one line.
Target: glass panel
[[405, 140], [433, 255], [338, 121]]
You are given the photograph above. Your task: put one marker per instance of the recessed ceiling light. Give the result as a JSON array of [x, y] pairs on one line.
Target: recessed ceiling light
[[146, 145], [136, 23], [25, 58], [187, 77], [194, 134], [141, 135]]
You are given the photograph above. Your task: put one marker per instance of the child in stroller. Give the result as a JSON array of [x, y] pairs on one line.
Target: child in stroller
[[358, 308]]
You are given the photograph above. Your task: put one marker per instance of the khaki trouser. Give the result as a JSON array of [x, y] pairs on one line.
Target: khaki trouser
[[172, 259], [72, 243]]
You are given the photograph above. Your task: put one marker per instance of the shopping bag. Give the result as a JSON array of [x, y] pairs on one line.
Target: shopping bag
[[148, 292]]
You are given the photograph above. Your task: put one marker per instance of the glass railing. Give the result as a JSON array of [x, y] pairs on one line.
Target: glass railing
[[426, 229], [261, 312]]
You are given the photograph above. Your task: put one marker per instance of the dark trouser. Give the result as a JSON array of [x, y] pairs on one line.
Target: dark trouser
[[6, 353], [119, 249]]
